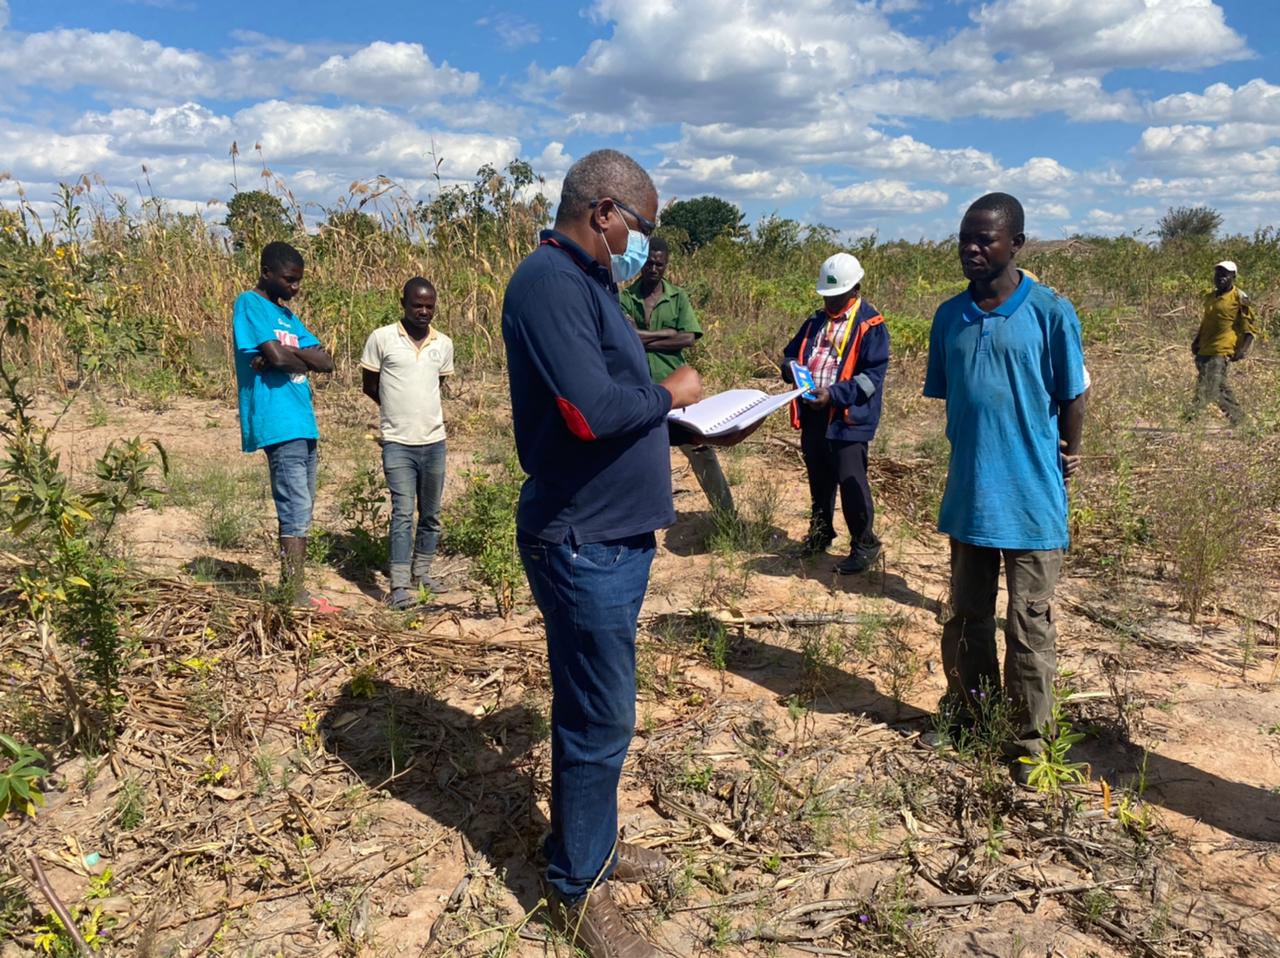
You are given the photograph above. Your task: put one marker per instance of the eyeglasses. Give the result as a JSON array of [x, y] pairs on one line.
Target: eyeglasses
[[646, 226]]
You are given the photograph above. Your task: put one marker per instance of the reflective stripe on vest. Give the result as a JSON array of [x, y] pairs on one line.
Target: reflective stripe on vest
[[847, 365]]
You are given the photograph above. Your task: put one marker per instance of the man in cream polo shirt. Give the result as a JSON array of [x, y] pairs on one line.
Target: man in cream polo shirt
[[403, 366]]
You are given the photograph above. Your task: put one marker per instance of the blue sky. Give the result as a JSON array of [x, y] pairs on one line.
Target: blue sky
[[865, 115]]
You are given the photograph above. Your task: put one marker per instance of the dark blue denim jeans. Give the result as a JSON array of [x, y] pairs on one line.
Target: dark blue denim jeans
[[590, 596], [292, 465], [415, 476]]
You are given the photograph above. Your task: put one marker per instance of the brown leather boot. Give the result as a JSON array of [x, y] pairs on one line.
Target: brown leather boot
[[596, 926], [639, 864]]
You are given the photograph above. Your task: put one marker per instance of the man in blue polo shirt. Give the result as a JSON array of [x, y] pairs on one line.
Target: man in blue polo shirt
[[591, 432], [1007, 358]]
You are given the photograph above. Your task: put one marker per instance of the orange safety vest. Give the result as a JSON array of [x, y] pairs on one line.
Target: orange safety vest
[[847, 362]]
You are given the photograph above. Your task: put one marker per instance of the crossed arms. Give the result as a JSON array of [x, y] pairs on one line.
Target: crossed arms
[[290, 359]]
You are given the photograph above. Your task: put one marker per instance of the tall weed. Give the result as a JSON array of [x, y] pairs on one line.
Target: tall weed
[[481, 525], [1208, 503]]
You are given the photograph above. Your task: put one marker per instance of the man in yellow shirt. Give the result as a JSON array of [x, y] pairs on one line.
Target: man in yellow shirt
[[1225, 336]]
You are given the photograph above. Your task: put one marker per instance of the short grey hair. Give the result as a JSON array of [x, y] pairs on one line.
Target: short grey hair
[[600, 174]]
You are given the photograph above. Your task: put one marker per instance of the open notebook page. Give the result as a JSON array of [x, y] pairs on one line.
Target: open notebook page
[[730, 411]]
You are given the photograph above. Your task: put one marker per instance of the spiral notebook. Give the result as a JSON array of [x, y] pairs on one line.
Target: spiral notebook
[[730, 411]]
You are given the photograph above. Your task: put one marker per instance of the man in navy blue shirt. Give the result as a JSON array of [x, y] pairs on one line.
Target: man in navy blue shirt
[[1006, 356], [591, 432]]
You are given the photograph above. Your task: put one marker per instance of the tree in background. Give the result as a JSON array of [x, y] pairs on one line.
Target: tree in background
[[703, 219], [256, 218], [1189, 223]]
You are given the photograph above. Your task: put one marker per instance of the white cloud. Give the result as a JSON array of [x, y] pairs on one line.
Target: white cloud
[[1256, 101], [166, 129], [841, 140], [32, 153], [1041, 175], [1081, 35], [885, 196], [317, 151], [728, 175], [1202, 150], [1106, 223], [388, 73], [730, 60], [371, 138], [966, 93], [553, 160], [113, 63], [908, 156]]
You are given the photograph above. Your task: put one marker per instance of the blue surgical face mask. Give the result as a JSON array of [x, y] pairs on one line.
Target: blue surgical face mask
[[627, 264]]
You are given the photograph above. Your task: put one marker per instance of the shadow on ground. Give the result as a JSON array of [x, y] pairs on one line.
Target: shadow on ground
[[876, 582], [356, 556], [471, 774], [786, 672], [239, 577], [1250, 812], [692, 533]]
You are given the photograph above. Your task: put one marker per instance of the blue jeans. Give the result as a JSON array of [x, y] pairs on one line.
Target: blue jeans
[[415, 476], [292, 465], [590, 596]]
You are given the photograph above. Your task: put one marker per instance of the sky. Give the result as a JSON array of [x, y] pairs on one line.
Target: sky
[[868, 116]]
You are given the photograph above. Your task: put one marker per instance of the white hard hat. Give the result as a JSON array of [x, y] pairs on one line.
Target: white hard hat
[[1226, 264], [839, 274]]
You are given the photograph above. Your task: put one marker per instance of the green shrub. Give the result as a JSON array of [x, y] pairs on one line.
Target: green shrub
[[22, 770], [481, 524]]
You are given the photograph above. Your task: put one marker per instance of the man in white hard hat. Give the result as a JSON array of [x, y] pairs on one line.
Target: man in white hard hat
[[845, 345], [1225, 336]]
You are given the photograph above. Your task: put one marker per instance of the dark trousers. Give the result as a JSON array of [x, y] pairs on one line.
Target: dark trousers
[[836, 465], [590, 596], [1030, 635]]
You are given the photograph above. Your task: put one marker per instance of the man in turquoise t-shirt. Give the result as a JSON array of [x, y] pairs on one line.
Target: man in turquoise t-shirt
[[274, 353], [1006, 356]]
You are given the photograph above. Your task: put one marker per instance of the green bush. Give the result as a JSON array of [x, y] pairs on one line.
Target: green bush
[[481, 524], [22, 770]]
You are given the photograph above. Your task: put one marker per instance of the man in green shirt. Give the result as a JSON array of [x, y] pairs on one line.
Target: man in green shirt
[[667, 326], [1225, 336]]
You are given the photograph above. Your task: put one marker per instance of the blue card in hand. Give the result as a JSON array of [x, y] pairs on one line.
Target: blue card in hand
[[804, 379]]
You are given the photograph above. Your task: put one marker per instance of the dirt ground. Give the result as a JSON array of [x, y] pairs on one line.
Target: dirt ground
[[786, 778]]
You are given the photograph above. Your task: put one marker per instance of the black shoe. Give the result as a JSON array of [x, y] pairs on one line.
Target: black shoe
[[1020, 772], [859, 560]]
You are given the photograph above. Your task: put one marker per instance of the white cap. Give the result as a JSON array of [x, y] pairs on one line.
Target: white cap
[[839, 274], [1226, 264]]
